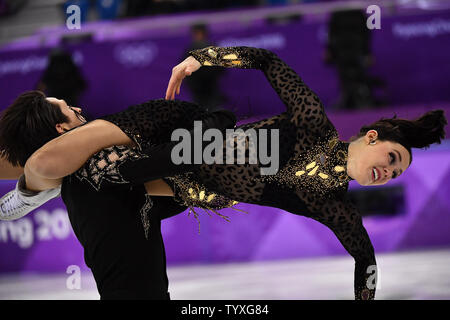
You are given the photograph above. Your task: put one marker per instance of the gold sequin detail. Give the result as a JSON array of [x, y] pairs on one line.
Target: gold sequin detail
[[319, 167], [311, 165], [313, 171], [195, 195], [332, 143], [230, 56], [341, 155], [323, 164], [225, 57], [212, 53]]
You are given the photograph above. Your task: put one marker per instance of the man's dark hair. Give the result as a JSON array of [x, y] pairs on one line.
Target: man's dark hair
[[26, 125]]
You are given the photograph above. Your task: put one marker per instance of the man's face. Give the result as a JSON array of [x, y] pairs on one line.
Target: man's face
[[72, 113]]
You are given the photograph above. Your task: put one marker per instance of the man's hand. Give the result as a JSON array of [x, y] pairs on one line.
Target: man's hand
[[179, 72]]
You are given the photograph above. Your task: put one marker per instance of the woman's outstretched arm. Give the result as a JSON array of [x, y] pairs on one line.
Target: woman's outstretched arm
[[303, 105], [343, 218]]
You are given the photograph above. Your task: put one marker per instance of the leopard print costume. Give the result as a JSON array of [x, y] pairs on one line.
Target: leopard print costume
[[312, 179]]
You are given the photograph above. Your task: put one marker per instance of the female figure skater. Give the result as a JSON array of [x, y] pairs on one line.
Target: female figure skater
[[315, 165]]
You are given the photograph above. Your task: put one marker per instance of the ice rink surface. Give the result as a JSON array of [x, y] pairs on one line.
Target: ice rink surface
[[407, 275]]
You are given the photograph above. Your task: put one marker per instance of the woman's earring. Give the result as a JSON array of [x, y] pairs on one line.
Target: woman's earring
[[373, 142]]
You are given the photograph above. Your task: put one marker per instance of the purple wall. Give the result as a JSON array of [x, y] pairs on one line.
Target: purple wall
[[411, 56]]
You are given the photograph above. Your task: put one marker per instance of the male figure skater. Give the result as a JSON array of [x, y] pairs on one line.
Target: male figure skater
[[117, 224]]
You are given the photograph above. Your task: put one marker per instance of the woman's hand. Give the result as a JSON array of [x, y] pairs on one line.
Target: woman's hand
[[179, 72]]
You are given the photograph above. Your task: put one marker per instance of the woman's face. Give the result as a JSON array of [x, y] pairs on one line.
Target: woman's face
[[376, 164], [72, 113]]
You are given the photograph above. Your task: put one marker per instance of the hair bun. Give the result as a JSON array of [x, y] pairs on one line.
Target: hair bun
[[425, 130]]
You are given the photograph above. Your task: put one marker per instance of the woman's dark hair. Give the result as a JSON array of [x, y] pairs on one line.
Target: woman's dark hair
[[26, 125], [418, 133]]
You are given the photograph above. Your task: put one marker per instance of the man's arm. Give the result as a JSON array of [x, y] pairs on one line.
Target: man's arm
[[67, 153]]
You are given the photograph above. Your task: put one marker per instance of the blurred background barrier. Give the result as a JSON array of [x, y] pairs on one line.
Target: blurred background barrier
[[125, 50], [404, 63]]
